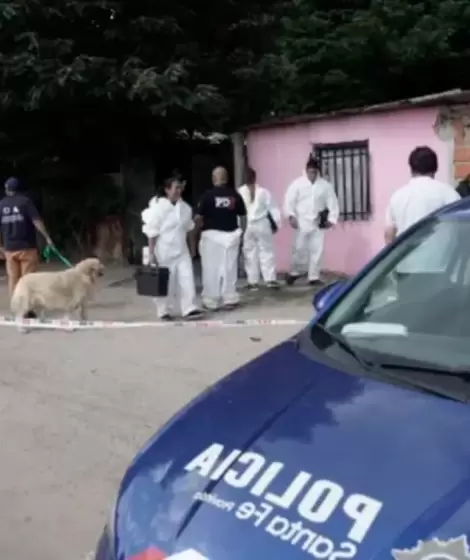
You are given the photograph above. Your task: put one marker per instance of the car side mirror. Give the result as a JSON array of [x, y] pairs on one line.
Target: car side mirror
[[325, 296]]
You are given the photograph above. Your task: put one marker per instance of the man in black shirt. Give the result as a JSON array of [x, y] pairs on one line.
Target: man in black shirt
[[221, 214], [19, 220]]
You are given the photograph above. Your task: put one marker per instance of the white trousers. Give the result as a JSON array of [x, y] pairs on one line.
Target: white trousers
[[219, 262], [307, 253], [181, 288], [258, 252]]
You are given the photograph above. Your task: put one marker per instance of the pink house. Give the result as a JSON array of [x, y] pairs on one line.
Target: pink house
[[364, 153]]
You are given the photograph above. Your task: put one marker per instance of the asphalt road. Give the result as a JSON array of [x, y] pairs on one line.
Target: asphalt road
[[75, 408]]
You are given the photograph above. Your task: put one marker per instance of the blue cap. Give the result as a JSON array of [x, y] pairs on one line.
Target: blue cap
[[12, 184]]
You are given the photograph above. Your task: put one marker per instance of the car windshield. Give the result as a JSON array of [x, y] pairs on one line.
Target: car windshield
[[413, 306]]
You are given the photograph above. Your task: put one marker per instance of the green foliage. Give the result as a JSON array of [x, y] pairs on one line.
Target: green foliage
[[123, 74], [105, 50], [141, 69], [128, 72], [84, 79], [356, 52], [165, 59], [73, 205]]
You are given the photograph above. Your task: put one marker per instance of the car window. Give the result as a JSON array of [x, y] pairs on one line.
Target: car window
[[415, 302]]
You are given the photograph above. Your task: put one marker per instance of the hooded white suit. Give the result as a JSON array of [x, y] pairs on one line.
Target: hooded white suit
[[258, 242], [170, 224], [304, 201]]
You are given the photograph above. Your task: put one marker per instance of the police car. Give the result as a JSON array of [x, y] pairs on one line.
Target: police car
[[346, 441]]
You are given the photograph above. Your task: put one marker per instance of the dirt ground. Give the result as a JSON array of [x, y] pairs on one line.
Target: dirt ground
[[75, 408]]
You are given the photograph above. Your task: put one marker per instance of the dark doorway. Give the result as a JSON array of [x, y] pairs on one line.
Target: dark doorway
[[195, 160]]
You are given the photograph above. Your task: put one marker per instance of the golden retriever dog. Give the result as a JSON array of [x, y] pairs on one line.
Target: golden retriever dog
[[68, 291]]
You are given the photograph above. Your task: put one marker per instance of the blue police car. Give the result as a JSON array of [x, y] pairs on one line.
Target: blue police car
[[346, 441]]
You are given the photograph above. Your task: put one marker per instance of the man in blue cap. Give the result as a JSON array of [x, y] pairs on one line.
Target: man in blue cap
[[19, 221]]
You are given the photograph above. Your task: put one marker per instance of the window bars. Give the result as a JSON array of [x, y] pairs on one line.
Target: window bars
[[346, 166]]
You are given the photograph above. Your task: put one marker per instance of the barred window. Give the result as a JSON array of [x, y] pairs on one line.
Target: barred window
[[346, 166]]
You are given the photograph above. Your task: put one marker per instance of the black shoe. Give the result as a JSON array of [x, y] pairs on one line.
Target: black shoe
[[30, 315], [252, 287], [291, 279], [316, 283], [166, 317], [194, 314], [211, 309]]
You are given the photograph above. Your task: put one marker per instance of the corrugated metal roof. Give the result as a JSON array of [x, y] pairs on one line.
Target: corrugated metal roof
[[450, 97]]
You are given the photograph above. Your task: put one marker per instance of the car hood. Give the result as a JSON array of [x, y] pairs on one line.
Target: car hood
[[288, 457]]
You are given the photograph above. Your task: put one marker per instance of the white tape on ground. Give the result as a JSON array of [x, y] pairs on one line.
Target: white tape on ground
[[63, 324]]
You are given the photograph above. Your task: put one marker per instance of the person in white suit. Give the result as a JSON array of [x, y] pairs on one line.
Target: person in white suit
[[263, 220], [422, 195], [167, 223], [306, 198]]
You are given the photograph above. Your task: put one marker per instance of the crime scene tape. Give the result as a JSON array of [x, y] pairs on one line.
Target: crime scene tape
[[64, 324]]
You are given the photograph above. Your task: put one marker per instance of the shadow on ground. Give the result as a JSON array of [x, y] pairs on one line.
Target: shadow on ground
[[300, 291], [116, 299]]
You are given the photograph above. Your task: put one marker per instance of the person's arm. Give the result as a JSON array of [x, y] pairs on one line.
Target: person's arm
[[152, 246], [332, 205], [390, 233], [191, 231], [38, 223], [201, 210], [152, 217], [198, 222], [241, 211], [290, 203], [191, 240]]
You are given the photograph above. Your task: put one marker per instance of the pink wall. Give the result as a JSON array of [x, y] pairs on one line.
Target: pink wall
[[279, 155]]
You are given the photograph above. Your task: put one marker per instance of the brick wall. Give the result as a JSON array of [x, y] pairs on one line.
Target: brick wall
[[461, 148]]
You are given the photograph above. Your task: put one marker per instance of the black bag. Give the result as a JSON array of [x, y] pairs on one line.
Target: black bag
[[323, 219], [152, 281], [463, 188], [272, 223]]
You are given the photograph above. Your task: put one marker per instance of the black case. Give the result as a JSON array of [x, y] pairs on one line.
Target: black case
[[272, 223], [323, 219], [152, 281]]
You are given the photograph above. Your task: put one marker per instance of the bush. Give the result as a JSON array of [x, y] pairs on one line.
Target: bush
[[72, 207]]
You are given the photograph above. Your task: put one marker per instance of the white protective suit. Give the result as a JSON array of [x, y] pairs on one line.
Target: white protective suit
[[409, 204], [258, 241], [304, 201], [170, 224], [145, 250], [219, 262]]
